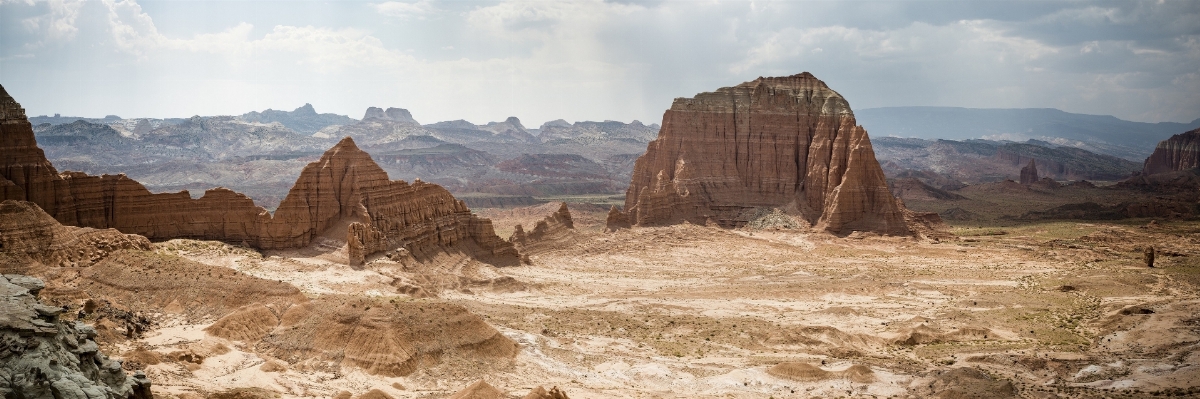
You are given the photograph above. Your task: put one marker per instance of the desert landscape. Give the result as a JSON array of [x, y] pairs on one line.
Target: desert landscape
[[763, 239], [713, 280]]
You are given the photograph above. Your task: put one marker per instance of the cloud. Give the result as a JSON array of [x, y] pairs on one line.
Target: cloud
[[405, 10], [57, 24], [592, 59], [973, 43], [323, 49]]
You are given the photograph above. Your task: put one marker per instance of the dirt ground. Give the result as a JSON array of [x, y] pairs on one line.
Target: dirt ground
[[1035, 310]]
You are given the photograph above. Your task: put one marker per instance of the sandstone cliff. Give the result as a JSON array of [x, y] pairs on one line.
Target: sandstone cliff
[[1180, 152], [788, 142], [28, 237], [345, 186]]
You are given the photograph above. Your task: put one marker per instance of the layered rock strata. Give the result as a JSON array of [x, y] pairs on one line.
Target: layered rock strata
[[45, 357], [551, 228], [788, 142], [388, 339], [616, 220], [345, 186], [28, 237], [1178, 153]]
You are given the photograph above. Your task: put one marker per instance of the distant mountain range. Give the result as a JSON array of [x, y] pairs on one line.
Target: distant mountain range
[[981, 161], [1101, 134], [262, 153]]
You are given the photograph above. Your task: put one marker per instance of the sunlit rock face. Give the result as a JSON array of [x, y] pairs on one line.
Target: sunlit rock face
[[345, 186], [786, 142]]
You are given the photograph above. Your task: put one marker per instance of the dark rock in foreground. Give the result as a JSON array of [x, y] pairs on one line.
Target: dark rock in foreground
[[43, 357]]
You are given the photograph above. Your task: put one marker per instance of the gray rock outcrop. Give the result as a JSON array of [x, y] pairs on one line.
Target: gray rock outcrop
[[42, 357]]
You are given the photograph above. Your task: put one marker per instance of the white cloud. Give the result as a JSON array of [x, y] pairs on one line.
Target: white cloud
[[58, 24], [592, 59], [323, 49], [963, 42], [405, 10]]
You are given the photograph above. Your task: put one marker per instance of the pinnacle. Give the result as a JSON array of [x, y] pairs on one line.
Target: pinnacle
[[346, 142]]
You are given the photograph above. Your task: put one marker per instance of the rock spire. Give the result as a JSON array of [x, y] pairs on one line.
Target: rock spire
[[1029, 174]]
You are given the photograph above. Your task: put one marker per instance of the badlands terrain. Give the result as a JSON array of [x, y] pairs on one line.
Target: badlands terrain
[[760, 251], [1038, 310]]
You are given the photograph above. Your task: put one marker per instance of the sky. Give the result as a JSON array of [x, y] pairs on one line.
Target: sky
[[592, 60]]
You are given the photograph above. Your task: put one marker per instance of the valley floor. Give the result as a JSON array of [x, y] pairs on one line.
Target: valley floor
[[1036, 310]]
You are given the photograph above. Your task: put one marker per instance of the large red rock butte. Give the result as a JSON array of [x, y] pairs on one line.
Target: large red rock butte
[[344, 187], [787, 142], [1178, 153]]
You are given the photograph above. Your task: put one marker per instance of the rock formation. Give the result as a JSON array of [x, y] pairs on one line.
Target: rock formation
[[479, 390], [345, 186], [560, 220], [362, 240], [1029, 174], [304, 120], [391, 114], [1180, 152], [540, 392], [44, 357], [28, 236], [788, 142], [616, 220], [552, 228], [389, 339]]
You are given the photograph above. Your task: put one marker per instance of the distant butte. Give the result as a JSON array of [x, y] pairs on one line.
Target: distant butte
[[785, 142], [345, 191], [1178, 153]]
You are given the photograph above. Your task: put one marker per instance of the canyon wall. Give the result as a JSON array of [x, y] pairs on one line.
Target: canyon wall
[[787, 142], [345, 186], [1180, 152]]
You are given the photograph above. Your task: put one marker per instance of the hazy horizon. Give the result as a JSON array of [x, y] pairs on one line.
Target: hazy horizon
[[592, 60]]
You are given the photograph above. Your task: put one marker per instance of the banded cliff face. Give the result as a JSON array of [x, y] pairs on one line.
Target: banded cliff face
[[1180, 152], [342, 188], [788, 142]]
